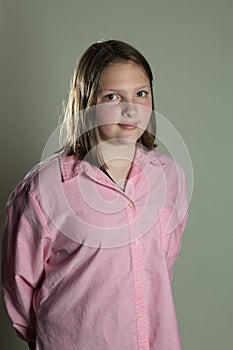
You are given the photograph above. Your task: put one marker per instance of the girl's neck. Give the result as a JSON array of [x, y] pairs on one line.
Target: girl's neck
[[116, 155], [118, 158]]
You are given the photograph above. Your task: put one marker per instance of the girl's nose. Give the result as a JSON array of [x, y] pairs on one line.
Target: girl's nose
[[129, 110]]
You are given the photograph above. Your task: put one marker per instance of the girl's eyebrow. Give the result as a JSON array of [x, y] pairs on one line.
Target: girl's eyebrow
[[123, 90]]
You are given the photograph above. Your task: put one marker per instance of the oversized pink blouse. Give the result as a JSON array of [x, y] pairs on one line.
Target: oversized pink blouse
[[88, 266]]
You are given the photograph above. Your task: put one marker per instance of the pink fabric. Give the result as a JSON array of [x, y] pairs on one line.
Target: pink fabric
[[88, 266]]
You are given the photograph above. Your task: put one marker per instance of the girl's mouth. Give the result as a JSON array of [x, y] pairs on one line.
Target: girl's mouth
[[128, 126]]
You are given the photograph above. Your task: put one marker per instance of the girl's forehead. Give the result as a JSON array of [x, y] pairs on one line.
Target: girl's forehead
[[119, 71], [126, 65]]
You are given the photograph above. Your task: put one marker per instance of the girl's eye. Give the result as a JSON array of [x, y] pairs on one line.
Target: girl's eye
[[142, 93], [111, 97]]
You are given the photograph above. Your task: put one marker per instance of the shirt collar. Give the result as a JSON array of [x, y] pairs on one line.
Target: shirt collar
[[71, 166]]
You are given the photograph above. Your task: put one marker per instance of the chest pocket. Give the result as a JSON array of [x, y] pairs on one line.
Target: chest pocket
[[170, 231]]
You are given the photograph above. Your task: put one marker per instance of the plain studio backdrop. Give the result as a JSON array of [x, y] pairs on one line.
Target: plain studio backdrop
[[189, 46]]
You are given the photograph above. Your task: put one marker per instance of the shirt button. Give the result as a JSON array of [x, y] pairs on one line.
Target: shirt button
[[140, 315], [130, 204], [138, 277], [136, 241]]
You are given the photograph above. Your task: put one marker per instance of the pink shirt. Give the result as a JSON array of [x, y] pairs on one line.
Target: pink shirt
[[88, 266]]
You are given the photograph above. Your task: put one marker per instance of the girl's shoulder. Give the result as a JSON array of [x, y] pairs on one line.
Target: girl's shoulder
[[170, 166], [163, 159], [31, 181]]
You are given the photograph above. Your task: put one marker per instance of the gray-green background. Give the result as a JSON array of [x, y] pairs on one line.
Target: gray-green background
[[189, 46]]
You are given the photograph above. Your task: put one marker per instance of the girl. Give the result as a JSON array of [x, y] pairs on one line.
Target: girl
[[93, 232]]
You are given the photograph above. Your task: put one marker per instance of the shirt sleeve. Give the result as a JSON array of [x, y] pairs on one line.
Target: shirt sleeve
[[26, 246], [182, 213], [183, 207]]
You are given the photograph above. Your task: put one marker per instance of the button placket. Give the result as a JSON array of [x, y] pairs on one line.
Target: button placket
[[137, 263], [139, 294]]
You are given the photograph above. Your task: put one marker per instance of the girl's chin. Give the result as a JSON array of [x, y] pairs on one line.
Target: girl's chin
[[126, 136], [120, 140]]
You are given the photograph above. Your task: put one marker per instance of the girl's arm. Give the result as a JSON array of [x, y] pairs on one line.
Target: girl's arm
[[26, 246]]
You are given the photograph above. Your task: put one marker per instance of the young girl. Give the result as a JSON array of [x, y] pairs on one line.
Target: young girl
[[93, 232]]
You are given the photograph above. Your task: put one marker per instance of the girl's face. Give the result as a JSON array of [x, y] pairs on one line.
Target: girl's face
[[124, 102]]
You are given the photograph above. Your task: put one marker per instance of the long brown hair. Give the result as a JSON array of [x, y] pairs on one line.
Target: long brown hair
[[80, 135]]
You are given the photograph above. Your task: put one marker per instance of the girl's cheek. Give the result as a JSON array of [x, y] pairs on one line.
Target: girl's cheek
[[145, 113], [107, 131], [106, 114]]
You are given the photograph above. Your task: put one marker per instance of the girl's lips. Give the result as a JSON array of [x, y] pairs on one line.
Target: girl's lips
[[128, 126]]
